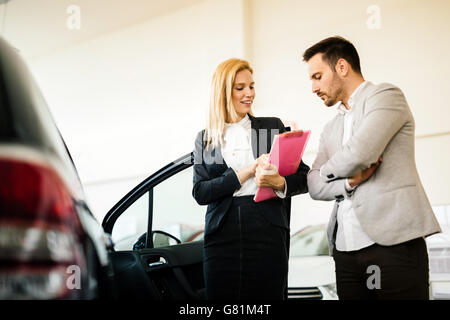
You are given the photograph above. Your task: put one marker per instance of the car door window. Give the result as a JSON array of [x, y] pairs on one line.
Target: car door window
[[176, 216], [175, 211], [131, 224]]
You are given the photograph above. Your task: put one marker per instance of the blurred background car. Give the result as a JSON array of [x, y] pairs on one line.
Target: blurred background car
[[311, 268], [51, 247], [439, 263]]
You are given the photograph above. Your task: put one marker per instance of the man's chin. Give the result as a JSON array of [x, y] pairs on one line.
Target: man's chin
[[329, 103]]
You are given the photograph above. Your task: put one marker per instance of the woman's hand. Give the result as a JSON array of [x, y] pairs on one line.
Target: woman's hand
[[267, 175], [263, 159], [249, 171], [246, 173]]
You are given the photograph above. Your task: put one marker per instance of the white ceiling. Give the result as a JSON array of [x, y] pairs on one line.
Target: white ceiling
[[38, 27]]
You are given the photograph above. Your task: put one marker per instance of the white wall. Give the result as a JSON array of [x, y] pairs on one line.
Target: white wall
[[131, 101], [410, 50]]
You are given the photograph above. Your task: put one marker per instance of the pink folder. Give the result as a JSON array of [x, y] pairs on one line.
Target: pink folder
[[286, 154]]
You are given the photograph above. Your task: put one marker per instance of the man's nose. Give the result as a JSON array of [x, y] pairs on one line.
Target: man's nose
[[315, 88]]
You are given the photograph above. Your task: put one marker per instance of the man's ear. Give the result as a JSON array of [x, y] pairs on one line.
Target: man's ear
[[342, 67]]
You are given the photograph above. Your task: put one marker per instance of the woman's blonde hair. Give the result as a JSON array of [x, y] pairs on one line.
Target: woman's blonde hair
[[221, 108]]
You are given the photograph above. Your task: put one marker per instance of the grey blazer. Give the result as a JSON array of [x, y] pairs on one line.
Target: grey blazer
[[391, 205]]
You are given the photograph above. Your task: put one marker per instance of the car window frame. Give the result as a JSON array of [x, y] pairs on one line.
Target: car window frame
[[145, 186]]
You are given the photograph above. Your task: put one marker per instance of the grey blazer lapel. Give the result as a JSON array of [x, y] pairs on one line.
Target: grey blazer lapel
[[336, 134], [358, 111]]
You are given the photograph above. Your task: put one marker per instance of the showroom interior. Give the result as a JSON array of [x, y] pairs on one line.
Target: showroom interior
[[127, 83]]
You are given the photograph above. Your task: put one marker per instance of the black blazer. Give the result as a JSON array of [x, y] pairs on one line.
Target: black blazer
[[215, 182]]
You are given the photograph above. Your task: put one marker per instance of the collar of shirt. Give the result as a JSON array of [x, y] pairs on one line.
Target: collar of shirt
[[237, 135], [244, 122], [351, 101]]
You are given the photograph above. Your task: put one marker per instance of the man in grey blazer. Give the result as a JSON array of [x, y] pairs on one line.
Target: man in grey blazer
[[366, 164]]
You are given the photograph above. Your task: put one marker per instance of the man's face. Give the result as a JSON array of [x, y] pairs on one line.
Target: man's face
[[325, 81]]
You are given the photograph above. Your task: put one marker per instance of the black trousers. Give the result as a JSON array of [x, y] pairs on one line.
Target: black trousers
[[246, 258], [397, 272]]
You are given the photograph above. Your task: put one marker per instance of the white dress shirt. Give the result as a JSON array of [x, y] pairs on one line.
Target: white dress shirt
[[350, 236], [237, 153]]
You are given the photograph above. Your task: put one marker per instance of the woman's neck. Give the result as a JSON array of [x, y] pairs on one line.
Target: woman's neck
[[239, 118]]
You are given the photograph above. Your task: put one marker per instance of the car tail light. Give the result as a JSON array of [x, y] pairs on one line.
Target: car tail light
[[40, 233]]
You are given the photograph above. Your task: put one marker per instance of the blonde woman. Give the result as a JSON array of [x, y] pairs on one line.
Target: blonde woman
[[246, 244]]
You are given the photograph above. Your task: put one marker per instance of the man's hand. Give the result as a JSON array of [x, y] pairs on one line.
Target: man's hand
[[364, 175], [267, 176]]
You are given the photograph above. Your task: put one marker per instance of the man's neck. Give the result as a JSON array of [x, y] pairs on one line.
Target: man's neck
[[352, 86]]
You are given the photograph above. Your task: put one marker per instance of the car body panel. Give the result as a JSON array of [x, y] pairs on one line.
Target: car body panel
[[29, 136], [311, 271]]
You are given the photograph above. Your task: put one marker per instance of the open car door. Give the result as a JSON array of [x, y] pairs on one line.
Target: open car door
[[157, 231]]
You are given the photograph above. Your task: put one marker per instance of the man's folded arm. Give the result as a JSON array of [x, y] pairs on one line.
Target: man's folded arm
[[387, 112], [325, 191], [318, 188]]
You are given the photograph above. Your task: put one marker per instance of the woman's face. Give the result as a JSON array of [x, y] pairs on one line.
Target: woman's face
[[243, 92]]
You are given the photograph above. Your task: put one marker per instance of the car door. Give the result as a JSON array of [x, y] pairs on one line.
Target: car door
[[151, 228]]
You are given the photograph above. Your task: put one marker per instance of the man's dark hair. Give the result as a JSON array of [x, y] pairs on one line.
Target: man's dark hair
[[333, 49]]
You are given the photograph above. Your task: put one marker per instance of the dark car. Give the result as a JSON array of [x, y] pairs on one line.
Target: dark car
[[51, 247]]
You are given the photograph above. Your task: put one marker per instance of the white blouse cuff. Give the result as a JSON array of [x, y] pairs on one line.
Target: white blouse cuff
[[282, 194]]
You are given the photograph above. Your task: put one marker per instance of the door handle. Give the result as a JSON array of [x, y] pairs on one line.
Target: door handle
[[161, 262]]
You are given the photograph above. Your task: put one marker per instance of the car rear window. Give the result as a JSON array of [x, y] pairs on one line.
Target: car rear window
[[24, 116], [23, 112], [6, 130]]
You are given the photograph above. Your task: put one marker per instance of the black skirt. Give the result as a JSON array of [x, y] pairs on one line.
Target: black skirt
[[247, 257]]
